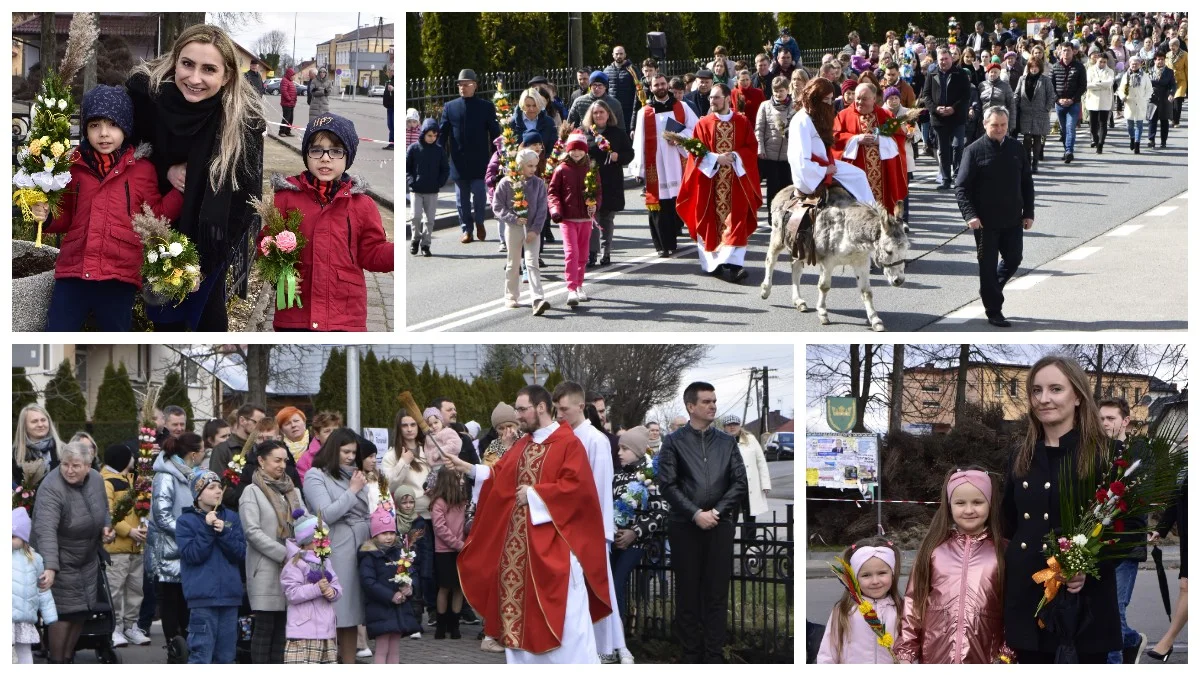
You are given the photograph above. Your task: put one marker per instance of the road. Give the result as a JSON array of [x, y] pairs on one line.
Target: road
[[1078, 204], [1145, 612]]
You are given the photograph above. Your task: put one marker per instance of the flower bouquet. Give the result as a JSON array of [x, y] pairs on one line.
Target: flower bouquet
[[170, 262], [633, 497], [845, 574], [24, 494], [637, 83], [510, 144], [591, 185], [322, 549], [385, 492], [148, 450], [896, 124], [43, 166], [279, 251], [602, 143], [404, 565], [694, 146]]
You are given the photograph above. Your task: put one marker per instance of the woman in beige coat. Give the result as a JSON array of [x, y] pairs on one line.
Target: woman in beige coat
[[1098, 100], [1135, 90], [758, 478]]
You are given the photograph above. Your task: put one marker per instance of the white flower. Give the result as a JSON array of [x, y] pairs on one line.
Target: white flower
[[22, 179], [152, 256], [1079, 540], [162, 251], [49, 182], [62, 104], [192, 269], [48, 163], [1107, 522], [175, 248], [1132, 467]]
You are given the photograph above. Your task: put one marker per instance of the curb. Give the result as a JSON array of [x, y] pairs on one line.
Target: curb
[[370, 190]]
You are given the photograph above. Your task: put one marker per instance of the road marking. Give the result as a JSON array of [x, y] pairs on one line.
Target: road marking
[[1123, 231], [1160, 211], [491, 308], [1182, 196], [1080, 253], [1026, 282], [964, 314]]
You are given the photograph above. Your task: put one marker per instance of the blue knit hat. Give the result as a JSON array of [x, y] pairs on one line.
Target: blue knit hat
[[108, 102], [598, 76], [531, 137], [338, 126], [200, 481]]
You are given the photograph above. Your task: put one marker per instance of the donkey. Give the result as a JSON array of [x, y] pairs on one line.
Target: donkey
[[846, 232]]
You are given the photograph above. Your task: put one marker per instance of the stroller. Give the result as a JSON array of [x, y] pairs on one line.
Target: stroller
[[99, 626]]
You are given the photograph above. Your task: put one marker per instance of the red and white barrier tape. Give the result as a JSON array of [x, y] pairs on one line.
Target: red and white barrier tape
[[858, 502], [293, 126]]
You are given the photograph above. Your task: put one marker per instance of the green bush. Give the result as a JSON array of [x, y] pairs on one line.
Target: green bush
[[703, 33], [670, 23], [65, 401], [413, 62], [23, 393], [332, 392], [175, 392], [116, 417], [451, 41]]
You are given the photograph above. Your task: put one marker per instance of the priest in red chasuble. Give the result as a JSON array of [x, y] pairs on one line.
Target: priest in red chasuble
[[881, 157], [535, 565], [720, 196]]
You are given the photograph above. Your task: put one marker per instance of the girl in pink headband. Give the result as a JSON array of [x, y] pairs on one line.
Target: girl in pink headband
[[953, 608], [848, 638]]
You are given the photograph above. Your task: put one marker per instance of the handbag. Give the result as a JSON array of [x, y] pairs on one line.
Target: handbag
[[1151, 108]]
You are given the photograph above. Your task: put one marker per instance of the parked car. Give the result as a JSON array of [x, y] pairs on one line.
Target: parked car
[[272, 85], [301, 89], [780, 446], [377, 90]]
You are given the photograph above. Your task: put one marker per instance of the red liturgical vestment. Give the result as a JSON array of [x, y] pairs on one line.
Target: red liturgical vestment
[[722, 210], [887, 177]]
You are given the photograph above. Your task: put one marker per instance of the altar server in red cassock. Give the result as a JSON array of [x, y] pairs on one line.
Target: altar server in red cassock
[[856, 141], [534, 565], [720, 196]]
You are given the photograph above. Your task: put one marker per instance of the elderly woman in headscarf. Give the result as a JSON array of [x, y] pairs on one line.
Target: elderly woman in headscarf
[[35, 445], [70, 523]]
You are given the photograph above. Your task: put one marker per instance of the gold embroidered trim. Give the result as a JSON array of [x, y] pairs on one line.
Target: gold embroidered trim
[[723, 184], [514, 559]]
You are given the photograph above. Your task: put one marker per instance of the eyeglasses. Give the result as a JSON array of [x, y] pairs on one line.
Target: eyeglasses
[[334, 153], [522, 408]]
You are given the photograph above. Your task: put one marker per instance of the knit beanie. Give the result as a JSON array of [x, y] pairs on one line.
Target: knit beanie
[[890, 92], [636, 439], [382, 521], [412, 115], [338, 126], [598, 76], [304, 527], [531, 137], [434, 412], [849, 85], [473, 429], [576, 142], [286, 413], [503, 413], [118, 456], [994, 65], [110, 103], [200, 481], [21, 524]]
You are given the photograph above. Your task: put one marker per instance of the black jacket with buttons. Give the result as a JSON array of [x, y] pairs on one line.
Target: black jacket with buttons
[[995, 183], [1029, 510], [700, 471]]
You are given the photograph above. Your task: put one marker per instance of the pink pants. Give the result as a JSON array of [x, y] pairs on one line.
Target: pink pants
[[387, 648], [576, 235]]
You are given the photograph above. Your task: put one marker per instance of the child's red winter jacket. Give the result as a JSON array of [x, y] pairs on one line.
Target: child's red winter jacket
[[566, 192]]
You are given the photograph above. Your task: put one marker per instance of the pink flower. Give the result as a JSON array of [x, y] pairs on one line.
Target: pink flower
[[286, 241], [265, 245], [1064, 543]]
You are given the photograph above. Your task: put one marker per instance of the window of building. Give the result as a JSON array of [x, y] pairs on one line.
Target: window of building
[[1012, 387], [999, 389], [930, 387], [81, 369], [1137, 396], [191, 372], [931, 404]]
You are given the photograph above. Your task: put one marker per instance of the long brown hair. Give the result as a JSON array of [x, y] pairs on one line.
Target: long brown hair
[[449, 487], [1092, 441], [814, 104], [846, 607], [398, 444], [940, 529]]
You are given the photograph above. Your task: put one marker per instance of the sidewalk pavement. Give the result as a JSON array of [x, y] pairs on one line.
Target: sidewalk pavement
[[816, 563]]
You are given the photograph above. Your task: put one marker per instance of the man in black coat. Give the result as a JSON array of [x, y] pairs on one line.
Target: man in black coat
[[995, 194], [621, 84], [702, 475], [1070, 83], [698, 100], [469, 126], [947, 94], [1162, 95]]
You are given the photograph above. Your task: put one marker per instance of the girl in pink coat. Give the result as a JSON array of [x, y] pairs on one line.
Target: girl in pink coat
[[311, 621]]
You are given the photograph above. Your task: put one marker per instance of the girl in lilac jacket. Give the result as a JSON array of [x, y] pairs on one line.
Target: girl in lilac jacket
[[311, 621]]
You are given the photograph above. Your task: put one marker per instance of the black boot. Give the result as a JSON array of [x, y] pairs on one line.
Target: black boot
[[440, 633], [413, 247], [1131, 142], [452, 625], [425, 252], [1137, 148]]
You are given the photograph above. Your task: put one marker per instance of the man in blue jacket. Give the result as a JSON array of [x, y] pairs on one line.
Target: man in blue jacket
[[212, 549], [622, 84], [469, 126]]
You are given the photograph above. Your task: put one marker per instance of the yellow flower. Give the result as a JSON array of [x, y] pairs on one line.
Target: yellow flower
[[886, 640], [45, 140], [1096, 530], [57, 149], [864, 607], [35, 147]]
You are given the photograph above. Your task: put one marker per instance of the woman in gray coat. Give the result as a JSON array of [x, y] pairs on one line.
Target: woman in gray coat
[[1035, 100], [70, 522], [319, 90], [994, 90], [333, 489], [266, 508], [172, 492], [770, 130]]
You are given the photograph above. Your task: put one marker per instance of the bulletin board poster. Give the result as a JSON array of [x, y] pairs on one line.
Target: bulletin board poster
[[841, 461], [378, 436]]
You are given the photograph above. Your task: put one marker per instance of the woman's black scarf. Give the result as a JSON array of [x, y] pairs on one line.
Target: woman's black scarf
[[1031, 81]]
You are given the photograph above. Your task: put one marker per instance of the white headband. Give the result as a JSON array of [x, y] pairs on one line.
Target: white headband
[[865, 553]]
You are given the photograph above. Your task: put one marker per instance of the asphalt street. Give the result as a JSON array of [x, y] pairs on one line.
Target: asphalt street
[[1145, 613], [1076, 204]]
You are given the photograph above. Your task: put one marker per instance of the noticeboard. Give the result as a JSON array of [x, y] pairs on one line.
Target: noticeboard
[[841, 461]]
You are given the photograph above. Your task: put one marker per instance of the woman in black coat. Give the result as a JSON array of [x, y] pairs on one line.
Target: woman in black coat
[[600, 125], [1064, 423], [1163, 86], [1175, 515]]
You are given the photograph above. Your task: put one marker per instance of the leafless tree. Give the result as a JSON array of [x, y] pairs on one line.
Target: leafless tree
[[273, 41]]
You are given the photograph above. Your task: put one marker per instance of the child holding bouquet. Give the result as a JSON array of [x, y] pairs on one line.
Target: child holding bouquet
[[342, 227], [574, 206], [98, 270], [852, 635], [311, 589], [522, 227], [388, 580], [637, 519], [945, 619]]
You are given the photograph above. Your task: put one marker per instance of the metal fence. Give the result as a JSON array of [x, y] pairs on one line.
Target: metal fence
[[760, 618]]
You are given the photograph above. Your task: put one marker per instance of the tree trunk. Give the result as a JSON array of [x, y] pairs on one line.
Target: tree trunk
[[960, 389], [48, 47], [89, 68], [258, 368], [864, 391], [173, 24], [1099, 391], [897, 402]]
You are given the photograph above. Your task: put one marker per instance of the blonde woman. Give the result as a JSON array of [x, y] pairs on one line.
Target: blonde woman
[[35, 445], [206, 125]]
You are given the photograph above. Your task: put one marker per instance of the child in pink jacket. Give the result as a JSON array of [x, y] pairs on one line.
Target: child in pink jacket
[[448, 506], [311, 621]]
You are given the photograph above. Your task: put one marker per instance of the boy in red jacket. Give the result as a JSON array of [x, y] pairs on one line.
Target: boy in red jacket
[[99, 267], [344, 231]]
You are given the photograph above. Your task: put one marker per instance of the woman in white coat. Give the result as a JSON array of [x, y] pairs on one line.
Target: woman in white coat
[[758, 477], [1098, 100], [1135, 90]]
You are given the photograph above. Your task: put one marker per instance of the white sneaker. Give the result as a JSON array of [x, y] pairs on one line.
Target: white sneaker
[[118, 640], [626, 656], [135, 636], [365, 653], [582, 296], [415, 636], [572, 298], [490, 645]]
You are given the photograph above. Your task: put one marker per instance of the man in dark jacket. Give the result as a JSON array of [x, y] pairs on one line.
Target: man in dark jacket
[[246, 421], [947, 94], [995, 194], [1070, 83], [698, 100], [255, 78], [468, 126], [762, 76], [389, 98], [1114, 417], [702, 475], [1162, 95], [621, 84], [582, 75]]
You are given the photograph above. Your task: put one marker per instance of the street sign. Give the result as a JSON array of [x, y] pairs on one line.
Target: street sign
[[841, 413], [26, 356]]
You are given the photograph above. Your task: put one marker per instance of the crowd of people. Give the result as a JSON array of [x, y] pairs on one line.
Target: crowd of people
[[781, 122], [276, 538], [992, 535]]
